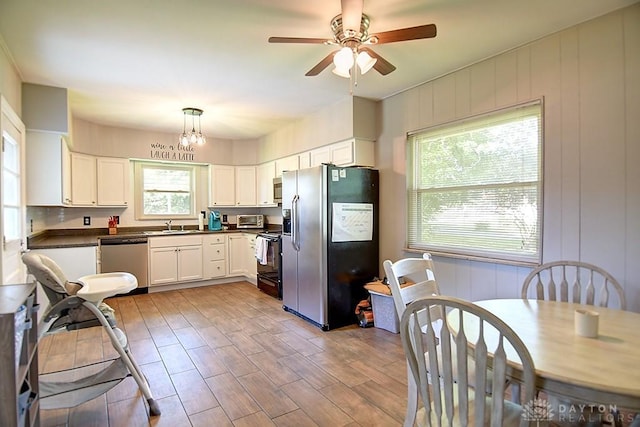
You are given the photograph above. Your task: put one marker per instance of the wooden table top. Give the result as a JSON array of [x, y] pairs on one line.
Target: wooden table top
[[603, 370]]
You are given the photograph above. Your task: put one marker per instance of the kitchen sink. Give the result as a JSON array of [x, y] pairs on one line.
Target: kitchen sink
[[165, 232]]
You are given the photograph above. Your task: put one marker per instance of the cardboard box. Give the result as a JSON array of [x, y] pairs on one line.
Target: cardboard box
[[384, 312]]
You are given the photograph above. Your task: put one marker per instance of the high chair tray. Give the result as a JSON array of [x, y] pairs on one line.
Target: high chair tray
[[96, 287]]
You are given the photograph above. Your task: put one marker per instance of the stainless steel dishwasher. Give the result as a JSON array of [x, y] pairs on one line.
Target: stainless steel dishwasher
[[126, 254]]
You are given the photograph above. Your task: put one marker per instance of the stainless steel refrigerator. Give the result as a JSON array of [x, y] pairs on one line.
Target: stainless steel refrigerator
[[330, 250]]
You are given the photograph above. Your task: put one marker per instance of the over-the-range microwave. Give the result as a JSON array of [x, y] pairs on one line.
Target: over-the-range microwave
[[250, 221], [277, 190]]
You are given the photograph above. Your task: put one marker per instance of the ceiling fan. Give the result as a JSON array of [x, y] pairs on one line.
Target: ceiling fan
[[351, 33]]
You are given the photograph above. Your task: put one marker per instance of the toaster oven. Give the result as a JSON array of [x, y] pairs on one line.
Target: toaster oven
[[250, 221]]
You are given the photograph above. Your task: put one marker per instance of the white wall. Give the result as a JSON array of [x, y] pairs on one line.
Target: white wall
[[588, 76]]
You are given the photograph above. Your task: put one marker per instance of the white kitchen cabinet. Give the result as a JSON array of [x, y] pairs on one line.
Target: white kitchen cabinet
[[346, 153], [289, 163], [237, 254], [242, 255], [304, 160], [112, 181], [214, 255], [175, 259], [245, 182], [48, 169], [74, 262], [83, 180], [223, 186], [264, 182], [251, 266], [319, 156]]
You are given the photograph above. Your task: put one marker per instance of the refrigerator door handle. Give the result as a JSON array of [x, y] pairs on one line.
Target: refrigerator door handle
[[295, 242]]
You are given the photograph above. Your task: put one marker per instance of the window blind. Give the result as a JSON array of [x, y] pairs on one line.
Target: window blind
[[475, 186]]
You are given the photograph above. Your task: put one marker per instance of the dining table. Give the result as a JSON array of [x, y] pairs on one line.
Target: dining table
[[604, 370]]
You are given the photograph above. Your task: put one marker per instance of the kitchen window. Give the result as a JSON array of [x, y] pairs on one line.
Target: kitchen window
[[474, 186], [165, 190]]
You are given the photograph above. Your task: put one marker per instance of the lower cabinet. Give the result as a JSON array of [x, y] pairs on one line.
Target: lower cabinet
[[251, 262], [174, 259], [214, 256], [242, 259], [237, 251]]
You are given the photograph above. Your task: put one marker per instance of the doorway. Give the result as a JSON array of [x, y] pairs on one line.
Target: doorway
[[12, 208]]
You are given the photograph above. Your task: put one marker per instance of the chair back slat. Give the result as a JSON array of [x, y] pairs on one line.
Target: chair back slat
[[478, 332], [590, 284], [564, 286]]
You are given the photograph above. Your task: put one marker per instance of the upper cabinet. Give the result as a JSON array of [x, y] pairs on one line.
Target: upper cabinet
[[48, 169], [112, 181], [264, 183], [233, 186], [83, 180], [289, 163], [245, 186], [99, 181], [354, 152], [223, 185]]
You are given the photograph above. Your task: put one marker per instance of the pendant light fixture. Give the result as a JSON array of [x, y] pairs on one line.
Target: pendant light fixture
[[193, 136]]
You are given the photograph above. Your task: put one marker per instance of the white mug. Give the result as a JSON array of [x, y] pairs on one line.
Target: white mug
[[586, 323]]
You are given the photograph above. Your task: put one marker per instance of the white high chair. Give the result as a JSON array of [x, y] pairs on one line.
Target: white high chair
[[78, 305]]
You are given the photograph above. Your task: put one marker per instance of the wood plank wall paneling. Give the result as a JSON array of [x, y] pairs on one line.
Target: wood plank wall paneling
[[632, 136], [569, 188], [587, 75], [602, 142]]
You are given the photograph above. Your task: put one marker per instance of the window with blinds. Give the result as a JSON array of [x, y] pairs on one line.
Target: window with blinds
[[165, 190], [475, 186]]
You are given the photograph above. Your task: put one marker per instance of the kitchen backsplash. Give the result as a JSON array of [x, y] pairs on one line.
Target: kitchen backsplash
[[47, 218]]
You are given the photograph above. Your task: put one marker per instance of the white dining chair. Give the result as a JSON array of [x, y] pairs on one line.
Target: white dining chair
[[577, 282], [574, 281], [410, 279], [453, 401]]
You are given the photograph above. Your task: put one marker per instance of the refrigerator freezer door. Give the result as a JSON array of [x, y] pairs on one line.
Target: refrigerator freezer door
[[312, 287], [289, 251]]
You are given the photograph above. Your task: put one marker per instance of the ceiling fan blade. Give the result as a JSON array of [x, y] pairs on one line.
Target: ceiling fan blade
[[412, 33], [351, 14], [382, 66], [321, 65], [297, 40]]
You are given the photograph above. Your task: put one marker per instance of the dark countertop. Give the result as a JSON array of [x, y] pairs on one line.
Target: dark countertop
[[73, 238]]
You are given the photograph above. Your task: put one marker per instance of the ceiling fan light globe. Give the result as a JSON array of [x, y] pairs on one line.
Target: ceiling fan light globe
[[184, 141], [200, 140], [343, 59], [365, 62], [342, 72]]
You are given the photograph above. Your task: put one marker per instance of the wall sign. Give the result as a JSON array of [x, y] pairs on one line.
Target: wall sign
[[175, 152]]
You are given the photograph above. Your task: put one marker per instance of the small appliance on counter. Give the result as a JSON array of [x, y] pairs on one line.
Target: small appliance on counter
[[250, 221], [214, 221]]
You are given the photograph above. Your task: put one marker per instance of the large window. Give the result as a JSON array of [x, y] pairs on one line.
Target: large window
[[165, 190], [475, 186]]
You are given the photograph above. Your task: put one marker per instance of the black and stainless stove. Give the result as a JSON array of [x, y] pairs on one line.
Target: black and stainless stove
[[269, 271]]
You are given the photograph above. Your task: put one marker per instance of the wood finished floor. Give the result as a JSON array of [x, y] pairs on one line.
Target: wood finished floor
[[228, 355]]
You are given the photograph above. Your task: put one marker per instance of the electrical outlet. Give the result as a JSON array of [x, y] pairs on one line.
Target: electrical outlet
[[224, 218], [87, 220], [117, 218], [31, 225]]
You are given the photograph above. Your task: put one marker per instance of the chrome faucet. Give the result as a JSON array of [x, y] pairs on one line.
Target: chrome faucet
[[168, 225]]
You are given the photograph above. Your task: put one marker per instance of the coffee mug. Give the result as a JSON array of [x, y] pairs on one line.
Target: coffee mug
[[586, 323]]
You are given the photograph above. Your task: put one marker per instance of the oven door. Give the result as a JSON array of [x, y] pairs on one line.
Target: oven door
[[269, 273]]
